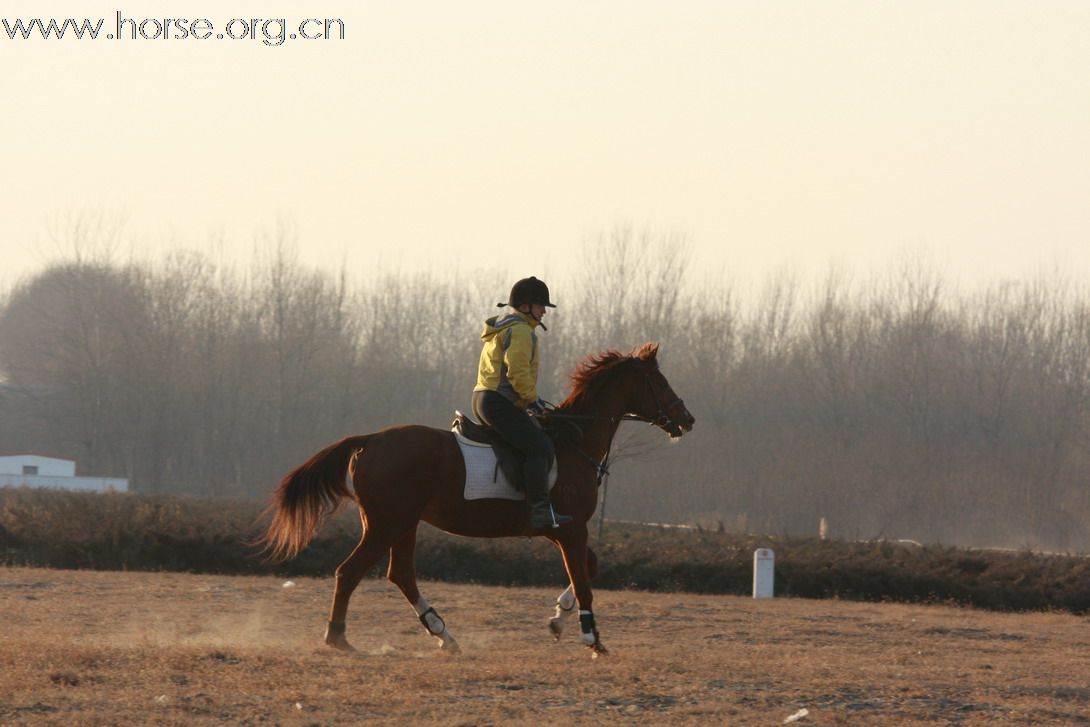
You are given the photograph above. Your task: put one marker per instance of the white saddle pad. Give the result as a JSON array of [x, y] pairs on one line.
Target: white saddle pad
[[484, 480]]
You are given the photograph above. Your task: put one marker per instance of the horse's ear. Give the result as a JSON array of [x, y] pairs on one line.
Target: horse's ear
[[648, 352]]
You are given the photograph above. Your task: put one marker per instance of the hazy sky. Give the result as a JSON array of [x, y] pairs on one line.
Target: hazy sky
[[505, 133]]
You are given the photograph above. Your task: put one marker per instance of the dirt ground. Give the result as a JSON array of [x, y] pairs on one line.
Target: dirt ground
[[83, 647]]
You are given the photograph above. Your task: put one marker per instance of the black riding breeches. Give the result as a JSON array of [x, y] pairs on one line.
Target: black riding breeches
[[522, 433]]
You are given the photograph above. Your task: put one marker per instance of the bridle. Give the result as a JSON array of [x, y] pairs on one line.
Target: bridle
[[661, 419]]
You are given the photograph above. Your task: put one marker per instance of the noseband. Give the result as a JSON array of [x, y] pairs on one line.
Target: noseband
[[663, 418]]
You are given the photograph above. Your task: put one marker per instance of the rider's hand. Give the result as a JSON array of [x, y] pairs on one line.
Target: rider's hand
[[537, 408]]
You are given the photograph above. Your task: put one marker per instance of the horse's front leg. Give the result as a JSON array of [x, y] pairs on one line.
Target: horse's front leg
[[565, 607], [574, 548], [565, 602]]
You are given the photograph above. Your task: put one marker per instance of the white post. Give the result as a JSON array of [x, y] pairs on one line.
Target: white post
[[764, 567]]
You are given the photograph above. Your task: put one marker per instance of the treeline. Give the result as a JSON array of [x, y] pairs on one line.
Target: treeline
[[894, 406]]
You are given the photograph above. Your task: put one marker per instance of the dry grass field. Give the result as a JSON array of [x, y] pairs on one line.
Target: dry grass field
[[112, 648]]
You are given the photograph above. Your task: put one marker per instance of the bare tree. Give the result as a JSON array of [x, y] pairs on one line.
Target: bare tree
[[893, 407]]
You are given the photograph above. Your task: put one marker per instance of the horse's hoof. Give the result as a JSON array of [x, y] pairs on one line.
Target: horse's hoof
[[556, 627], [334, 637], [450, 646], [340, 645], [598, 649]]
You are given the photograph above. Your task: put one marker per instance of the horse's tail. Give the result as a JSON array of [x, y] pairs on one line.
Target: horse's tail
[[307, 496]]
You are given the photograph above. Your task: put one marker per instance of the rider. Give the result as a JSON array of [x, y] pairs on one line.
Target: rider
[[507, 386]]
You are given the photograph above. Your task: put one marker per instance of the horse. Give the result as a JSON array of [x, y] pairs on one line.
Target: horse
[[405, 474]]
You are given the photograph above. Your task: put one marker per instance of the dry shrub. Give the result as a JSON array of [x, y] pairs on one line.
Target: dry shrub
[[214, 535]]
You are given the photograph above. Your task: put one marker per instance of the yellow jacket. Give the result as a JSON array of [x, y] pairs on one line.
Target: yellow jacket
[[508, 362]]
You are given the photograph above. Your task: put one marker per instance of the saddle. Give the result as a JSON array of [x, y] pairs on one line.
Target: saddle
[[508, 459]]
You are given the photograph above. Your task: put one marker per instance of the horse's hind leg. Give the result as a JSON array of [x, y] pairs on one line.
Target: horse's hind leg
[[565, 602], [349, 573], [402, 572]]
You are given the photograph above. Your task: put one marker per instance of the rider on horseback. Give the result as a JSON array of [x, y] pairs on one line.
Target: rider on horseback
[[507, 386]]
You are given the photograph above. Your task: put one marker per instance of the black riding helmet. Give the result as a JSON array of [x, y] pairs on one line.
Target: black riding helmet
[[528, 290]]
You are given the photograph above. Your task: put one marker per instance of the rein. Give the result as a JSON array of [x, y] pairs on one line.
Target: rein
[[661, 419]]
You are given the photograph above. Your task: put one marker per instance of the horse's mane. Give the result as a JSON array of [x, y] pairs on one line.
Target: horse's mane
[[596, 368]]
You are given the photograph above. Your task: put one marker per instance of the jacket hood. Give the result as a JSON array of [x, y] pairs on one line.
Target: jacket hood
[[498, 324]]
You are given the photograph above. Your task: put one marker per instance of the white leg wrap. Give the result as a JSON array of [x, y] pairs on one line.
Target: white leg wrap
[[566, 600], [589, 637], [433, 623], [565, 607]]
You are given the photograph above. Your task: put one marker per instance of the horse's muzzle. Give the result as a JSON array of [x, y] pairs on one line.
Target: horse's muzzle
[[676, 427]]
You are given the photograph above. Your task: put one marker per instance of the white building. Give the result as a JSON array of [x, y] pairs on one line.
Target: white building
[[38, 470]]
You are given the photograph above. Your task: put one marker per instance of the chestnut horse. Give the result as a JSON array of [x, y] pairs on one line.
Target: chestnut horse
[[405, 474]]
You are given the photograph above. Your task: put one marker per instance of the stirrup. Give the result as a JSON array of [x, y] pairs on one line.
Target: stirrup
[[555, 521]]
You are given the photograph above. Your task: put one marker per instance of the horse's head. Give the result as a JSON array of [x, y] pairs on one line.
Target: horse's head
[[652, 398]]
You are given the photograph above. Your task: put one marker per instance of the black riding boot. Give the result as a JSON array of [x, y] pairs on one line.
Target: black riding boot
[[524, 434], [542, 516]]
